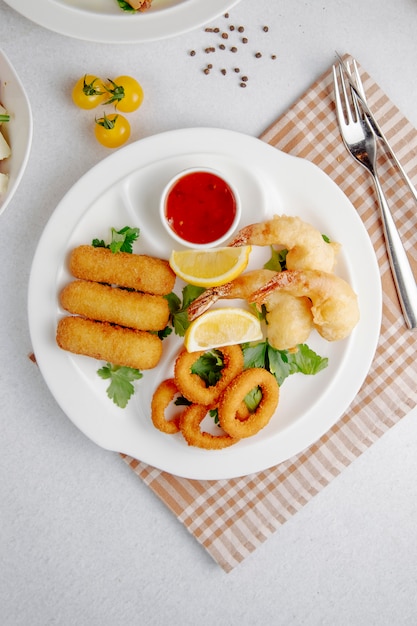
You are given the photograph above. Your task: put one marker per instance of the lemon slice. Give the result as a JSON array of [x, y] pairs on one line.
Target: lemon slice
[[222, 327], [210, 268]]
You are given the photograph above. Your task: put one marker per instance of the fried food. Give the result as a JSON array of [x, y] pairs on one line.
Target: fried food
[[133, 271], [193, 387], [289, 319], [161, 399], [105, 342], [334, 307], [305, 244], [96, 301], [190, 421], [231, 399]]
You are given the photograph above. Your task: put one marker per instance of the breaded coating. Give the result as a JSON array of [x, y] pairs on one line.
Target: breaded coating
[[134, 271], [115, 344], [96, 301]]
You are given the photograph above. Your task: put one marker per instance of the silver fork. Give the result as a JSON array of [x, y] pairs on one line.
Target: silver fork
[[355, 83], [360, 141]]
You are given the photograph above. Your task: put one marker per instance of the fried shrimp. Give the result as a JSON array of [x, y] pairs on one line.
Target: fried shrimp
[[105, 342], [289, 319], [161, 399], [96, 301], [133, 271], [230, 402], [334, 308], [193, 387], [305, 244], [190, 426]]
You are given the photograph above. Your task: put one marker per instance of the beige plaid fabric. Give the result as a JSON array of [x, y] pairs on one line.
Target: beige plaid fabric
[[230, 518]]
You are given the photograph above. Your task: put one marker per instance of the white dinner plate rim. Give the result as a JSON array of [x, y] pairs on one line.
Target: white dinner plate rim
[[13, 96], [360, 348], [124, 27]]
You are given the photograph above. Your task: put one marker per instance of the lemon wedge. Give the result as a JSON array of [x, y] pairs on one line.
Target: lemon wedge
[[209, 268], [222, 327]]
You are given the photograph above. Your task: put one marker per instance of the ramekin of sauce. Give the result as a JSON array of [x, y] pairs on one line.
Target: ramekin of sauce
[[200, 208]]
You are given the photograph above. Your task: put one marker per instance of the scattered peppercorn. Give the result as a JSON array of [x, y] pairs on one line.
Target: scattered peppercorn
[[225, 36], [265, 29], [258, 55], [241, 29], [244, 40], [273, 56], [192, 53], [226, 15], [233, 49], [242, 85], [224, 72], [237, 70], [245, 79], [231, 27], [222, 46]]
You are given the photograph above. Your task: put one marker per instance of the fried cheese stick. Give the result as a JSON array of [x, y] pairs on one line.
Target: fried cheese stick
[[134, 271], [142, 311], [115, 344]]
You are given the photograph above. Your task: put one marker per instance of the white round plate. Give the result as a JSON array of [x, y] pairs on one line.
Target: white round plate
[[124, 189], [18, 131], [103, 20]]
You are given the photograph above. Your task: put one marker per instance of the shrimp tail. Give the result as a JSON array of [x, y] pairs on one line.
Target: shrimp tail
[[204, 302]]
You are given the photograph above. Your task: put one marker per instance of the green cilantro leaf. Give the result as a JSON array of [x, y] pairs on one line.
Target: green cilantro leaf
[[178, 309], [277, 262], [125, 6], [121, 240], [120, 389], [209, 367], [283, 363]]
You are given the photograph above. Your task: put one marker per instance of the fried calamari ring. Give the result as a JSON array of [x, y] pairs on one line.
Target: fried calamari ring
[[193, 387], [162, 398], [231, 398], [190, 421]]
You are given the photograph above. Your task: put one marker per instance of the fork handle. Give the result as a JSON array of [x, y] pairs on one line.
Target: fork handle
[[401, 270], [380, 134]]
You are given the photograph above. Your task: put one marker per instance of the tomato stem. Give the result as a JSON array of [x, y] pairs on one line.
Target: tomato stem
[[105, 122], [117, 93], [89, 89]]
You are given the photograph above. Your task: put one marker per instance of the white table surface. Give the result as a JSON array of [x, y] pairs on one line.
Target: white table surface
[[82, 540]]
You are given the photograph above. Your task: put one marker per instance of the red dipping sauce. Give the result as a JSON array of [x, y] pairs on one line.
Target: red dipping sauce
[[200, 207]]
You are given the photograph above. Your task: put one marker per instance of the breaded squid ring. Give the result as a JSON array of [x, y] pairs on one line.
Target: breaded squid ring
[[162, 397], [193, 386], [231, 398], [190, 421]]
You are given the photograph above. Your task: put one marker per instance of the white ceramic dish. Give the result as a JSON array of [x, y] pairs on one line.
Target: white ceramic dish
[[183, 243], [103, 20], [269, 182], [18, 131]]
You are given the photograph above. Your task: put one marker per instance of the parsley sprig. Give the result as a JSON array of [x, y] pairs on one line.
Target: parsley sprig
[[283, 363], [120, 389], [121, 240]]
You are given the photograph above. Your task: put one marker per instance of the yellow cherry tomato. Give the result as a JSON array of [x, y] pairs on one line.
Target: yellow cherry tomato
[[88, 92], [112, 130], [125, 92]]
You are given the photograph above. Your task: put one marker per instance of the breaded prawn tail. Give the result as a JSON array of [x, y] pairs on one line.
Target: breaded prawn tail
[[142, 311], [115, 344], [134, 271]]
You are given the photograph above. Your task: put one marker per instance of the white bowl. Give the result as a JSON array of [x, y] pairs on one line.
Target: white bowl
[[222, 238], [18, 131]]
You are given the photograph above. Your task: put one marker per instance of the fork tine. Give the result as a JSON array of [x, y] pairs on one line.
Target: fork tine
[[358, 80], [346, 106]]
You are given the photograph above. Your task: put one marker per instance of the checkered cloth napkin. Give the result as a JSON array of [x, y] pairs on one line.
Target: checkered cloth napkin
[[231, 518]]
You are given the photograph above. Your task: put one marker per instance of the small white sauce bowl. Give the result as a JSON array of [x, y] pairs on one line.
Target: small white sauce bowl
[[163, 209]]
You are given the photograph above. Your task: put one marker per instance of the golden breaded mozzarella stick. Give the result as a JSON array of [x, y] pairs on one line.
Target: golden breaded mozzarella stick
[[134, 271], [142, 311], [115, 344]]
